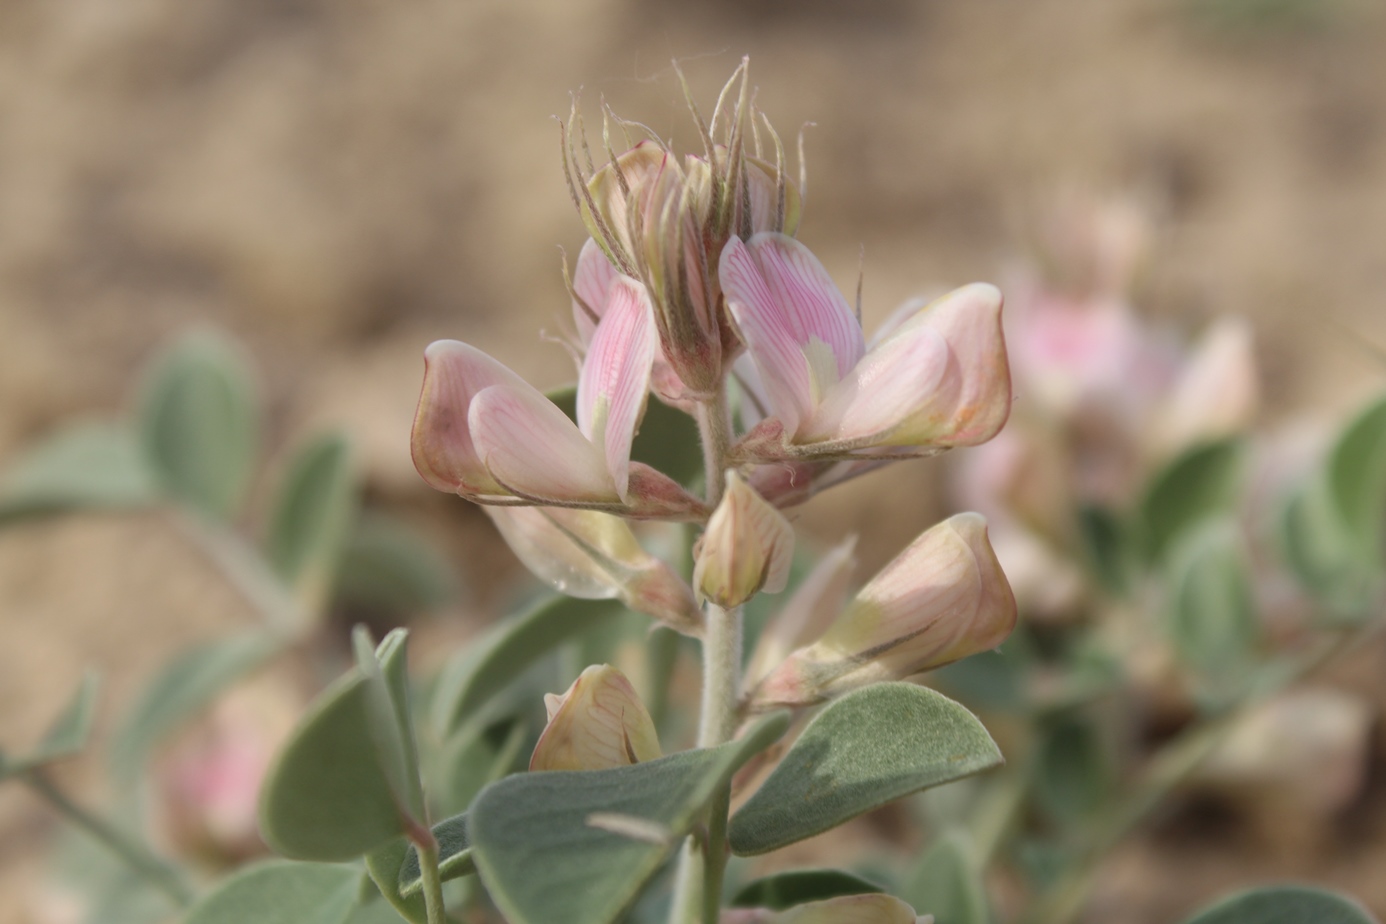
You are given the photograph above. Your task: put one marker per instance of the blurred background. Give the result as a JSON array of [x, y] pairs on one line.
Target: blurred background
[[335, 183]]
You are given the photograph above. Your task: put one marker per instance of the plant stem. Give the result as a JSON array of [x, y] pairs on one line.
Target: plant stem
[[153, 870], [698, 886], [427, 848]]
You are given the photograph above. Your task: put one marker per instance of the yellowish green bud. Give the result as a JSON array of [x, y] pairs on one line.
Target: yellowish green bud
[[598, 724], [747, 548]]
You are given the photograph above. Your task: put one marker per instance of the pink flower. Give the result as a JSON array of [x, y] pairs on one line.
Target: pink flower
[[485, 433], [938, 380]]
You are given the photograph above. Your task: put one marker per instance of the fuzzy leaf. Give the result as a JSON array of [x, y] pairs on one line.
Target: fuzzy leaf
[[312, 517], [541, 859], [327, 796], [869, 747], [487, 666], [384, 864], [280, 892], [199, 424], [1201, 482], [795, 887], [1290, 904], [388, 717], [87, 464], [186, 685], [454, 856]]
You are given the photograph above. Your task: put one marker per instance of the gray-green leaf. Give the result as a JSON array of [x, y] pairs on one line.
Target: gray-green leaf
[[868, 748], [327, 797], [66, 736], [281, 892], [947, 883], [87, 464], [390, 569], [312, 517], [454, 856], [799, 886], [1212, 614], [1201, 482], [1290, 904], [506, 651], [199, 424], [543, 855], [1357, 483]]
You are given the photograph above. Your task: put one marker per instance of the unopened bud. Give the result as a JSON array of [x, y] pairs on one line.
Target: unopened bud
[[598, 724], [942, 599], [748, 547]]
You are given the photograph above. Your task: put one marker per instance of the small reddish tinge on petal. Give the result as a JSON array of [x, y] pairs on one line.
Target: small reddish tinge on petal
[[972, 398], [942, 599], [441, 442], [796, 324], [615, 377], [592, 281], [748, 547], [531, 448], [598, 724]]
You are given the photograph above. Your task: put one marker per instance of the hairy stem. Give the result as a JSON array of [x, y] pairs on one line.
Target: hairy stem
[[427, 847], [698, 886], [139, 858]]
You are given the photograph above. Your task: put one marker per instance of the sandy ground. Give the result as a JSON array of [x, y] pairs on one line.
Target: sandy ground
[[337, 183]]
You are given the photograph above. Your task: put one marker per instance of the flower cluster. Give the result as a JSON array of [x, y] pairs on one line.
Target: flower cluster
[[693, 289]]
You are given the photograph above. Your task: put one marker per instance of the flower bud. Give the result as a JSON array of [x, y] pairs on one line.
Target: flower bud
[[598, 724], [747, 548], [943, 598], [595, 556]]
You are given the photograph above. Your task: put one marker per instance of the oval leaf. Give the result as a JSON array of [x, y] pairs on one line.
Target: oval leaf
[[1073, 772], [947, 883], [326, 797], [389, 569], [1284, 905], [199, 424], [1357, 482], [546, 844], [1202, 481], [506, 651], [1212, 618], [187, 684], [88, 464], [1321, 553], [796, 887], [868, 748], [279, 892], [311, 518]]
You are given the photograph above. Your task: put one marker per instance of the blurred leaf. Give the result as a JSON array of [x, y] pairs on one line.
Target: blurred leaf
[[667, 440], [1072, 773], [867, 748], [1320, 552], [947, 883], [312, 517], [1290, 904], [1202, 482], [992, 679], [187, 684], [199, 423], [388, 568], [468, 763], [66, 736], [388, 718], [488, 665], [87, 464], [384, 865], [454, 856], [327, 797], [796, 887], [543, 861], [106, 888], [1357, 483], [281, 892], [1212, 615], [1107, 545]]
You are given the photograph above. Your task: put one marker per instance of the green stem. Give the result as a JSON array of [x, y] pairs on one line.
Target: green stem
[[153, 870], [427, 848]]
